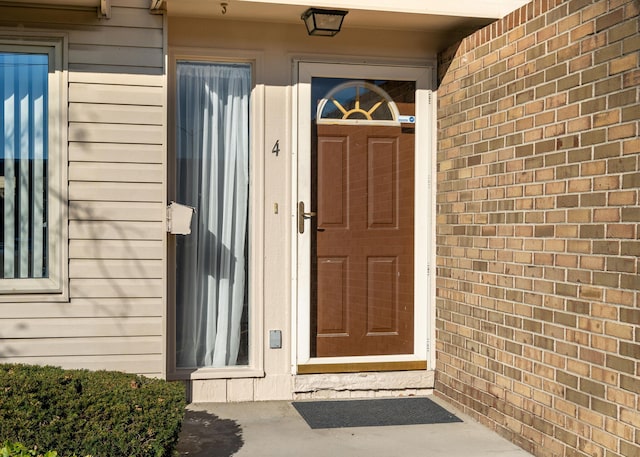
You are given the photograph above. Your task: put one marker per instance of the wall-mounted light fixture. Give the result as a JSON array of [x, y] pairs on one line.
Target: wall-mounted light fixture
[[323, 22]]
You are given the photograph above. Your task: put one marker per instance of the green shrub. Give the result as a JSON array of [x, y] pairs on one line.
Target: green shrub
[[20, 450], [81, 412]]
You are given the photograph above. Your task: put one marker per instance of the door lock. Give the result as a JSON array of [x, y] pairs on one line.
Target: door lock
[[302, 216]]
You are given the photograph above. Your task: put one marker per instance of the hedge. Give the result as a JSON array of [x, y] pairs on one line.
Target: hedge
[[101, 413]]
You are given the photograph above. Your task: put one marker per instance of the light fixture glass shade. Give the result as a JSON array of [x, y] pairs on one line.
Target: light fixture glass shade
[[323, 22]]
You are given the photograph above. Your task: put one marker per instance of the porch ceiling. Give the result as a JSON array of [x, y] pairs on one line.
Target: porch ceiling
[[434, 16]]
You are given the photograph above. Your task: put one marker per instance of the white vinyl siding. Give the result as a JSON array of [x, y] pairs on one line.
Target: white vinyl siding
[[115, 184]]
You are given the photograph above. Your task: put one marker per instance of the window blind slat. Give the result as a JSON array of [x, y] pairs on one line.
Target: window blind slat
[[9, 167], [38, 175], [24, 76]]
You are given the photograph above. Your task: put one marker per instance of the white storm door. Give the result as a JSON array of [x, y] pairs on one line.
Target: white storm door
[[310, 75]]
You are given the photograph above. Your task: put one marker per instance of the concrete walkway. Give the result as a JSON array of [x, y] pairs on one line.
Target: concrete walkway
[[265, 429]]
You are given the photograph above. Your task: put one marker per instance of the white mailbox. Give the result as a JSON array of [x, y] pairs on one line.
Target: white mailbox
[[179, 218]]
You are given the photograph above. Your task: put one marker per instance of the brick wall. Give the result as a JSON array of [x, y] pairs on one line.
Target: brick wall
[[538, 227]]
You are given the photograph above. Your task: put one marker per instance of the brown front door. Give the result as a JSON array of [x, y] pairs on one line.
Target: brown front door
[[362, 262]]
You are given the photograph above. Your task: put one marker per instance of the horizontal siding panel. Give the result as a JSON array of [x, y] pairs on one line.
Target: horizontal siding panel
[[116, 114], [115, 269], [134, 17], [48, 17], [57, 347], [115, 55], [115, 94], [107, 230], [115, 153], [118, 172], [82, 327], [115, 78], [83, 307], [105, 288], [114, 191], [116, 249], [107, 36], [116, 133], [116, 211], [146, 71], [150, 365]]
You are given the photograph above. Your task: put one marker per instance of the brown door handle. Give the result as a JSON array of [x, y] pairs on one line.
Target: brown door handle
[[302, 216]]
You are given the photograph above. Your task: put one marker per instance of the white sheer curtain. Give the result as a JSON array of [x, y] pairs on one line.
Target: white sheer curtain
[[213, 176]]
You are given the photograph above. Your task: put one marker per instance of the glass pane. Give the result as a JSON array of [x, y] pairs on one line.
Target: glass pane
[[23, 165], [359, 100], [212, 170]]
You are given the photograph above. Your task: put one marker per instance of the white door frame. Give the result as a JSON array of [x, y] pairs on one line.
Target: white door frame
[[424, 287]]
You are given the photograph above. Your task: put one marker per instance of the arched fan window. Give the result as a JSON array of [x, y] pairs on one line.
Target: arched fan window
[[357, 102]]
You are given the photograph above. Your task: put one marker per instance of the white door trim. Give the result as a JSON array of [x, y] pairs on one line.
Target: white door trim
[[424, 292]]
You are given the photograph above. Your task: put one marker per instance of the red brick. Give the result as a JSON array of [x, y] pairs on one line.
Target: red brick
[[606, 118], [582, 31], [606, 183], [622, 198], [579, 125], [622, 30], [631, 146], [623, 64], [594, 10], [609, 20], [606, 215], [622, 131], [568, 112], [593, 168], [568, 23], [607, 53], [627, 231]]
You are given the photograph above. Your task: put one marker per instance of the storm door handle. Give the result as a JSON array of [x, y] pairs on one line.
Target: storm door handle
[[302, 216]]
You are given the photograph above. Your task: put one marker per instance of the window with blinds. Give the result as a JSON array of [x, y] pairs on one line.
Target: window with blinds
[[32, 162], [23, 165]]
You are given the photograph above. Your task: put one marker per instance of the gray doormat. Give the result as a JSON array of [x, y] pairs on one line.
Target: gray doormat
[[373, 413]]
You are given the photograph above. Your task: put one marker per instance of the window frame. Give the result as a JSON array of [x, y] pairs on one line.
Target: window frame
[[255, 366], [55, 286]]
